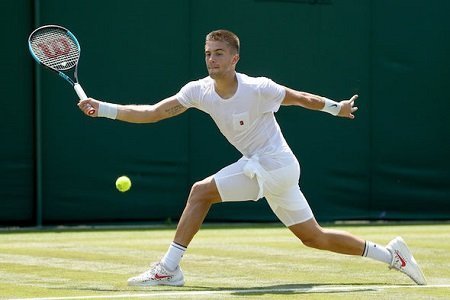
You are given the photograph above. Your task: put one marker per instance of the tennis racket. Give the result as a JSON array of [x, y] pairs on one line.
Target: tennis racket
[[57, 48]]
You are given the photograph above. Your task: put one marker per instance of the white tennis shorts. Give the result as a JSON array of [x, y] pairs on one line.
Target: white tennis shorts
[[247, 180]]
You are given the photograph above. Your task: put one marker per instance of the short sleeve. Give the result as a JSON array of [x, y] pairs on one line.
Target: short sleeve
[[188, 96], [271, 94]]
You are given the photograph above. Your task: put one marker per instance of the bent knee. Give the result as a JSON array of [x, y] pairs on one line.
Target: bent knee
[[317, 242], [204, 191], [311, 234], [198, 190], [316, 239]]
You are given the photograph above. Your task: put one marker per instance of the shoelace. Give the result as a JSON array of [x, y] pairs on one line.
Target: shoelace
[[396, 263], [154, 269]]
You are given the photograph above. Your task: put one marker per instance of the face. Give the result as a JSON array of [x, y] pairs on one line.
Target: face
[[220, 59]]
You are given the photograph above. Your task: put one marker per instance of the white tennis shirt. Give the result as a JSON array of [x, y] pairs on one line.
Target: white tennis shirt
[[247, 119]]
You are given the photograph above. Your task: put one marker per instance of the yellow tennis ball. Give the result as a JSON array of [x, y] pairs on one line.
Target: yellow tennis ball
[[123, 183]]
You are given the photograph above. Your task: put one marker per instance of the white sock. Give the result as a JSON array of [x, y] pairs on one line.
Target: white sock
[[377, 252], [173, 256]]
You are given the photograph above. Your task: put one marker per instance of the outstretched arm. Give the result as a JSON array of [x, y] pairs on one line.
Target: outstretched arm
[[344, 108], [164, 109]]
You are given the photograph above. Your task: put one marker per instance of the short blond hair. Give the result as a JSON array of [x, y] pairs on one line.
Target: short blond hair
[[226, 36]]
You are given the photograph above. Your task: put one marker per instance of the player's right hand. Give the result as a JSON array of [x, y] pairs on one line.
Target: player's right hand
[[89, 107]]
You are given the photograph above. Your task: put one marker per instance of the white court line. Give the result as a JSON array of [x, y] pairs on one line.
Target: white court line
[[316, 289]]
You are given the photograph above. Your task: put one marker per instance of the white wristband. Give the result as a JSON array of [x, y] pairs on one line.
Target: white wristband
[[107, 110], [331, 107]]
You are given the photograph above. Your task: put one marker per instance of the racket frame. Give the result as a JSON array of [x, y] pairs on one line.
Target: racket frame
[[77, 87]]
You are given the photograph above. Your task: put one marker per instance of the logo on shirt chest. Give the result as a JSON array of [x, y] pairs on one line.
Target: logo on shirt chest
[[240, 121]]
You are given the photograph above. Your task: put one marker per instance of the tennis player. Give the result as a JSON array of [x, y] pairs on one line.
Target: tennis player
[[243, 108]]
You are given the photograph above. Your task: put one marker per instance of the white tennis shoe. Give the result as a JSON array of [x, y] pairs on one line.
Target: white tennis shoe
[[403, 261], [158, 275]]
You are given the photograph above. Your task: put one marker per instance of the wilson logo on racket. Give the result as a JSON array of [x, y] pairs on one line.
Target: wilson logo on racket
[[55, 48]]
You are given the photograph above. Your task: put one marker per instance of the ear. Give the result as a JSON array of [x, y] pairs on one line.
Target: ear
[[235, 59]]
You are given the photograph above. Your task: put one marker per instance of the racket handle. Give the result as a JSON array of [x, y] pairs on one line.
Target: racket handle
[[82, 95]]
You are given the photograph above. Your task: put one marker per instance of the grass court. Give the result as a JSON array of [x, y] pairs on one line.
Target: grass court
[[241, 261]]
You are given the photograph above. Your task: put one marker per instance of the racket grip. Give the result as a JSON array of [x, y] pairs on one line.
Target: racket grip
[[82, 95]]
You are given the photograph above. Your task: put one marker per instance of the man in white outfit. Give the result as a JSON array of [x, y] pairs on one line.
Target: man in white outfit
[[243, 108]]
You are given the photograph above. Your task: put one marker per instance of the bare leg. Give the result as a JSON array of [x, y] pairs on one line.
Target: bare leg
[[313, 235], [203, 194]]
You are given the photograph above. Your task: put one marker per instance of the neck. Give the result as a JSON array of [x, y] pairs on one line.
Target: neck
[[226, 86]]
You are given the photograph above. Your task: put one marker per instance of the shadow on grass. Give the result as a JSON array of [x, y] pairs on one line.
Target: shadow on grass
[[290, 289], [283, 289]]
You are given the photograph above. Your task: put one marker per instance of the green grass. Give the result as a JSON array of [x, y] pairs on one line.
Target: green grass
[[223, 262]]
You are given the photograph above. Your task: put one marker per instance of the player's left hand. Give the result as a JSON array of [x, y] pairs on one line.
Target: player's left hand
[[348, 108]]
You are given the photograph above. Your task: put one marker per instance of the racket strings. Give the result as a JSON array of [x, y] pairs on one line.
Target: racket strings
[[55, 48]]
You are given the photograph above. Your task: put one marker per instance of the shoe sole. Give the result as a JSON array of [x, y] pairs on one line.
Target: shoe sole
[[156, 283]]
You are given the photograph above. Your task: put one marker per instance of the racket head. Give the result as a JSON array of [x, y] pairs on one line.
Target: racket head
[[54, 47]]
